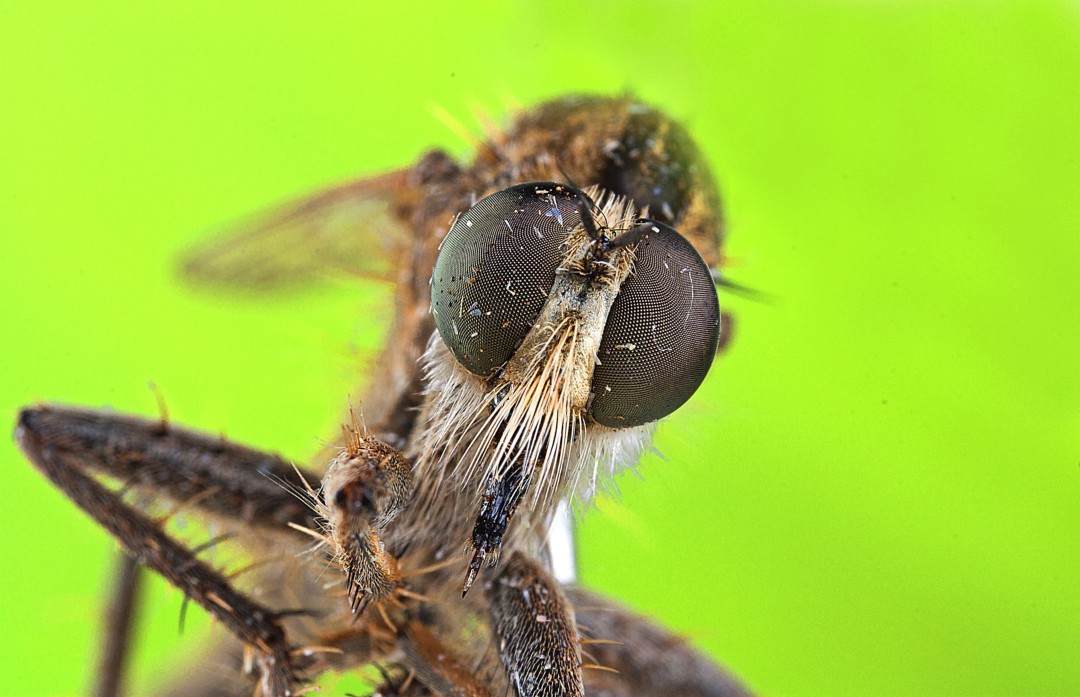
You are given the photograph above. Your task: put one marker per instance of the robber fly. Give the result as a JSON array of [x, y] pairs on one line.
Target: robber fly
[[554, 299]]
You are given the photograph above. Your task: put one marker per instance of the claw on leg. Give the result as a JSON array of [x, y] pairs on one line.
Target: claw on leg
[[364, 489]]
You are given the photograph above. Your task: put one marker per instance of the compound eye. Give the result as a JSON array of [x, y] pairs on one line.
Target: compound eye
[[661, 334], [496, 268]]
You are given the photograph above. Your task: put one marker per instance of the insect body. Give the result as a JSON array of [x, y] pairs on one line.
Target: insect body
[[541, 330]]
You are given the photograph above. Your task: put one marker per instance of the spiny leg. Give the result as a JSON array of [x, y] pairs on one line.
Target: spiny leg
[[643, 659], [206, 472], [214, 674], [367, 485], [364, 489], [434, 665], [535, 629], [61, 443]]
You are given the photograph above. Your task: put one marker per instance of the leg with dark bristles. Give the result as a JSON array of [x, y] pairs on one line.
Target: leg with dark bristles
[[205, 472], [436, 666], [366, 485], [252, 623], [633, 656], [535, 629]]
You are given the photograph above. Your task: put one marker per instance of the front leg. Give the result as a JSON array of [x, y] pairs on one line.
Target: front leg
[[217, 476], [366, 485], [119, 622], [643, 659], [41, 435], [534, 625]]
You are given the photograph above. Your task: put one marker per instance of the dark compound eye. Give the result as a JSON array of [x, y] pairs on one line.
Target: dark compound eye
[[661, 334], [495, 270]]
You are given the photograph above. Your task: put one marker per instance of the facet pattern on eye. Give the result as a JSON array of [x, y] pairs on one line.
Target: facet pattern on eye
[[495, 270], [661, 334]]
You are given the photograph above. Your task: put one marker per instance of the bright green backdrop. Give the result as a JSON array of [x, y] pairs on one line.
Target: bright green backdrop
[[875, 493]]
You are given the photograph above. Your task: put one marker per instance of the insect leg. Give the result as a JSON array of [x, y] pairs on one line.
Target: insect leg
[[214, 675], [536, 632], [252, 623], [365, 487], [435, 665], [118, 625], [210, 473], [642, 659]]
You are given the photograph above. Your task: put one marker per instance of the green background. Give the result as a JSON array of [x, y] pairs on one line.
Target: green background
[[875, 492]]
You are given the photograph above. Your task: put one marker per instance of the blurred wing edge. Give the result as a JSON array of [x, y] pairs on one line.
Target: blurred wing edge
[[347, 230]]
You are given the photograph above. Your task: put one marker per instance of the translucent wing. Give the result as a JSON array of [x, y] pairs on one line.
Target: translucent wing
[[350, 229]]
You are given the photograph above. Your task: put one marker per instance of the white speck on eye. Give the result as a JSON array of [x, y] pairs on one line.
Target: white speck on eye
[[628, 347], [474, 309], [507, 222], [655, 229], [537, 231], [541, 618], [453, 323], [468, 223], [511, 292], [686, 320]]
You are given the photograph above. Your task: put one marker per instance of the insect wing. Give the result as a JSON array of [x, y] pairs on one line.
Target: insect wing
[[347, 230]]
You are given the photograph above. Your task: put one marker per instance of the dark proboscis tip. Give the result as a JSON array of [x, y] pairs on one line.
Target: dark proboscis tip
[[501, 497]]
